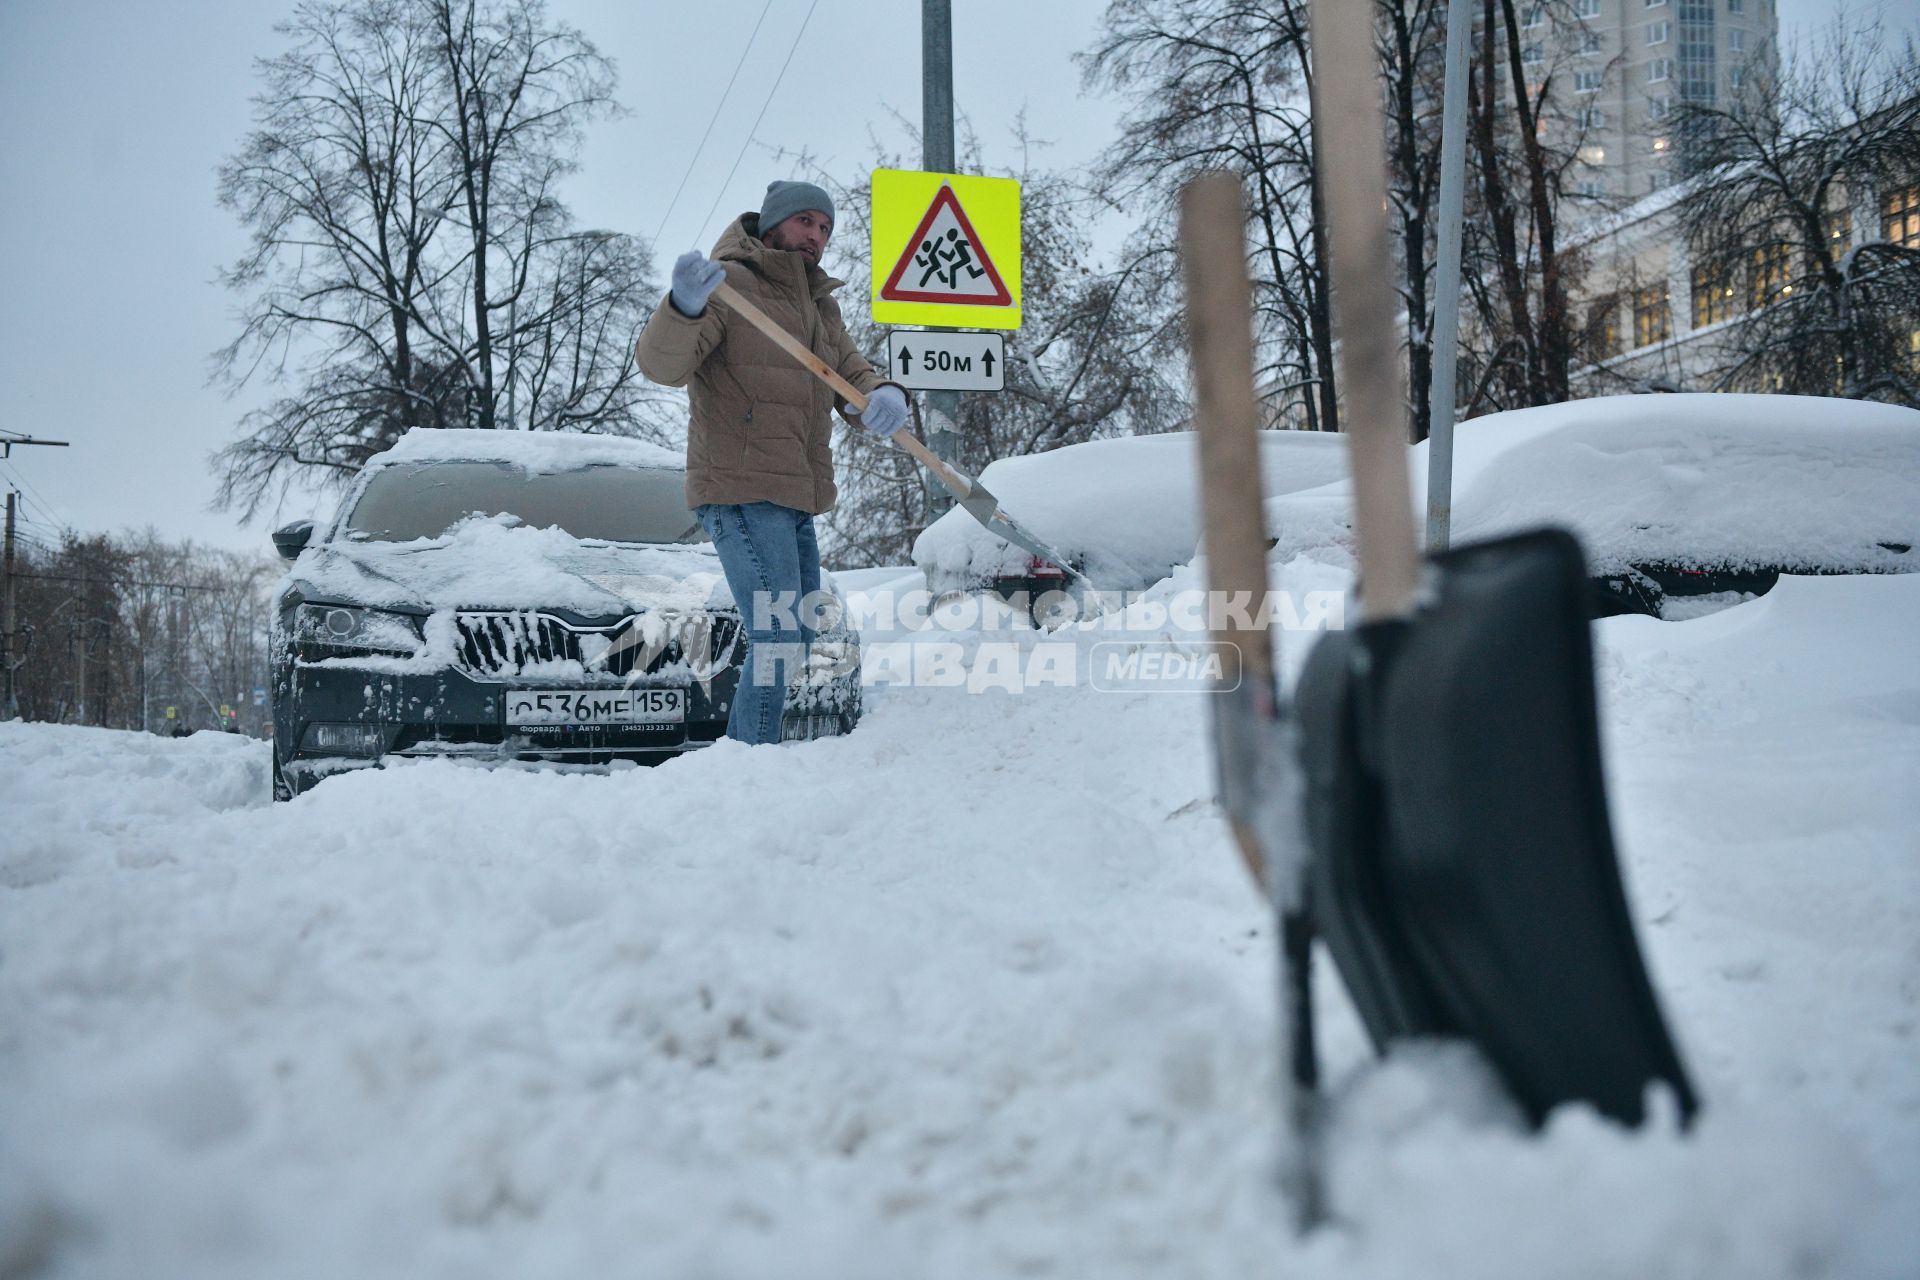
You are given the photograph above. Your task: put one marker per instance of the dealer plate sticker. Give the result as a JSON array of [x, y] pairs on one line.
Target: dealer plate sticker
[[596, 706]]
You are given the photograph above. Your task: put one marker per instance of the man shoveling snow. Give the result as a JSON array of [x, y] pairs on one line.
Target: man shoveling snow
[[760, 427]]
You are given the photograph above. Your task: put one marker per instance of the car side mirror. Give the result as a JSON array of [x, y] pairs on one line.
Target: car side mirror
[[290, 540]]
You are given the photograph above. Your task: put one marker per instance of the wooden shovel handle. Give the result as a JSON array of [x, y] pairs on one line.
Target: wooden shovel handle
[[1347, 128], [1213, 257], [954, 480], [957, 484], [790, 344]]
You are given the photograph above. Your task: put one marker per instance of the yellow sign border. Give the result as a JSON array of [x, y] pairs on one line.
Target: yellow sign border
[[901, 198]]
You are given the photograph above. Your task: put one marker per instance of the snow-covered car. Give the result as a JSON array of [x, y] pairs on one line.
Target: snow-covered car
[[1124, 512], [1684, 503], [502, 595]]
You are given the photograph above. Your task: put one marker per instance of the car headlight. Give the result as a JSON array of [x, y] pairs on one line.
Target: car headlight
[[338, 627]]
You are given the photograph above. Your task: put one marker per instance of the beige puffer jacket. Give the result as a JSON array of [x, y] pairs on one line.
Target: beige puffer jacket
[[761, 424]]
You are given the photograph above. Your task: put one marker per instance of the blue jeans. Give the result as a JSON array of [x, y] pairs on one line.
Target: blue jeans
[[772, 563]]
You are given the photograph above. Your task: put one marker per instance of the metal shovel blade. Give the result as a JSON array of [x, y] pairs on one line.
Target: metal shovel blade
[[984, 507], [1464, 875]]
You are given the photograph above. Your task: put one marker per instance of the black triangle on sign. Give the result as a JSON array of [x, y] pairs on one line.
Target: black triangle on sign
[[946, 262]]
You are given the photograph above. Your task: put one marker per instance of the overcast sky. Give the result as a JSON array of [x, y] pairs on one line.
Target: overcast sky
[[114, 115]]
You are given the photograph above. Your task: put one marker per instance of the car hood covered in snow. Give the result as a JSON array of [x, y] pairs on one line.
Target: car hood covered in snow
[[498, 564]]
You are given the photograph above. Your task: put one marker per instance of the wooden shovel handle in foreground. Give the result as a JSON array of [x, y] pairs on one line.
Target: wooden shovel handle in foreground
[[1348, 128], [1254, 742], [956, 483], [1220, 332]]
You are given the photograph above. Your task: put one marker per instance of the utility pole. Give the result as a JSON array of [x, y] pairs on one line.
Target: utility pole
[[78, 630], [9, 705], [177, 599], [936, 136]]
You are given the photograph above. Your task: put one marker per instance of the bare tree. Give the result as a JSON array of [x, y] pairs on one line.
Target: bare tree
[[1224, 84], [1227, 84], [1523, 141], [1781, 179], [410, 264], [122, 628], [1412, 39]]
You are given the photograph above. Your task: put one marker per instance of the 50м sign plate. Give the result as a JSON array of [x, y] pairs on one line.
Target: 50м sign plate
[[932, 361]]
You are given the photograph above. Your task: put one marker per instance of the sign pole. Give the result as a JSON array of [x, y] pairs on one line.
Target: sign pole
[[1446, 308], [936, 135]]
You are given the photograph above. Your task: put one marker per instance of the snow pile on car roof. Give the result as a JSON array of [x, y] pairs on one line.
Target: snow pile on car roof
[[533, 450], [1126, 507], [1726, 481]]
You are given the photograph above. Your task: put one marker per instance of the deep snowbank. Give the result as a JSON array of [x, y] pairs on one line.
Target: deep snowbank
[[977, 990]]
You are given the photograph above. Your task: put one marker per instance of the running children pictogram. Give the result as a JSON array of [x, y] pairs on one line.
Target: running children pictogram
[[946, 250], [944, 261]]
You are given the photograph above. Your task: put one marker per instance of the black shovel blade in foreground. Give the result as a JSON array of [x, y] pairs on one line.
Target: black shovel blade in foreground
[[1464, 873]]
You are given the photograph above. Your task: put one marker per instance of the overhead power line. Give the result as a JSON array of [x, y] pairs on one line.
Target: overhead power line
[[33, 494], [117, 582], [658, 231], [721, 194]]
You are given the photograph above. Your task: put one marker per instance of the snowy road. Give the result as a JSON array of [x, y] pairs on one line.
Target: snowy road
[[979, 990]]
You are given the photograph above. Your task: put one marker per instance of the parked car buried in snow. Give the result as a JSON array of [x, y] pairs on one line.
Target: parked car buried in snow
[[498, 595], [1682, 503], [1124, 512]]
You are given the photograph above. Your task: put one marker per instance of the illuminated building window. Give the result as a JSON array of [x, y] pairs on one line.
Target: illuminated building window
[[1652, 316], [1771, 275], [1712, 295], [1900, 216]]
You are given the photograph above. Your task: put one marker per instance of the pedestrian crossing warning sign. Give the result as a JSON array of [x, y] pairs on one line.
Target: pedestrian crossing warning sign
[[953, 242], [943, 261]]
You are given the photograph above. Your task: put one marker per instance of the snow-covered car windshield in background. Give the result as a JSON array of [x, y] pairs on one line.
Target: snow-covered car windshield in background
[[596, 503]]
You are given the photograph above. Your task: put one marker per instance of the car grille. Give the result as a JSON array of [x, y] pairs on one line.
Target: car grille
[[500, 645]]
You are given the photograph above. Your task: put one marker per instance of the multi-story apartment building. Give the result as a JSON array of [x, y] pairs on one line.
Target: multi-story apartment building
[[1624, 67]]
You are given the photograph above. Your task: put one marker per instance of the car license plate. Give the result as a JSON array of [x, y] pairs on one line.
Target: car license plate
[[596, 706]]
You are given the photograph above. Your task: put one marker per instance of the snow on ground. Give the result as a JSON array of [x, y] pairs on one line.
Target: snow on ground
[[978, 990]]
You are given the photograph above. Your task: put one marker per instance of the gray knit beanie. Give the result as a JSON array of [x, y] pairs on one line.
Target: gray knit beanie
[[784, 199]]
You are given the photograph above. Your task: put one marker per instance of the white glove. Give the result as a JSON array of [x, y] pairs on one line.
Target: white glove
[[694, 280], [886, 411]]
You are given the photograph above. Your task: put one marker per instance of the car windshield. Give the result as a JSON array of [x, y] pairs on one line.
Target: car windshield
[[605, 503]]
